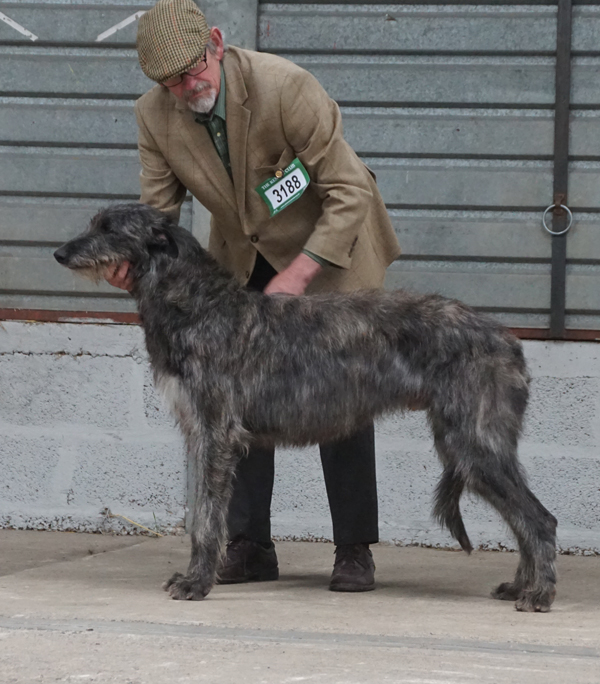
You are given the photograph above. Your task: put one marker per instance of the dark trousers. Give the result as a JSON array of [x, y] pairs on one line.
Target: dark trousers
[[348, 467]]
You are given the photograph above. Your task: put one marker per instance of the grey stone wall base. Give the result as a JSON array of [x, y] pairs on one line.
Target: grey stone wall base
[[82, 432]]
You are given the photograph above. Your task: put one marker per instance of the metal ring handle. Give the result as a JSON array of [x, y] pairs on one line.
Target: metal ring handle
[[561, 232]]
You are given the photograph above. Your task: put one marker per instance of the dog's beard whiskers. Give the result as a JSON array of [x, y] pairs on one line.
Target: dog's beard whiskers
[[97, 271], [93, 273]]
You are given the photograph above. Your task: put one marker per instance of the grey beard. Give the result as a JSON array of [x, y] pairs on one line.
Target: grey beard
[[203, 104]]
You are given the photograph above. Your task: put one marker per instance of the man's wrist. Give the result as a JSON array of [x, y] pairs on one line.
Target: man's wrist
[[315, 257], [304, 268]]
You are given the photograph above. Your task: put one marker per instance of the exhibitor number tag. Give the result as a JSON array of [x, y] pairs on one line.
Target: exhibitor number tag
[[279, 193]]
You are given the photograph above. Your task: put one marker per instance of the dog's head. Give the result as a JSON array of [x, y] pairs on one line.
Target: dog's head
[[124, 232]]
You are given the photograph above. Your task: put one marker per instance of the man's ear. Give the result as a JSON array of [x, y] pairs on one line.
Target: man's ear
[[164, 242], [217, 39]]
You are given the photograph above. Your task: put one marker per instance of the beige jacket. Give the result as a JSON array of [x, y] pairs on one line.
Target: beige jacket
[[276, 111]]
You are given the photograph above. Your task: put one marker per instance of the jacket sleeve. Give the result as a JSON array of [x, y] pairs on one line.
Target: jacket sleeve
[[161, 188], [313, 126]]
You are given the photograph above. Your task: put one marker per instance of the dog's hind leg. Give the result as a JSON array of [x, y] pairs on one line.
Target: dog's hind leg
[[504, 487], [495, 475], [215, 455], [476, 414]]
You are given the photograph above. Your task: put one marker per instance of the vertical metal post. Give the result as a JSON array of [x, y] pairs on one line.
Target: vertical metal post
[[561, 169]]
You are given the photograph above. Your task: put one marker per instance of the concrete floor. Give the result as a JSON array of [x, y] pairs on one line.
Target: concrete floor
[[88, 608]]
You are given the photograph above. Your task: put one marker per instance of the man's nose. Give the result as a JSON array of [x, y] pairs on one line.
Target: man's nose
[[190, 81]]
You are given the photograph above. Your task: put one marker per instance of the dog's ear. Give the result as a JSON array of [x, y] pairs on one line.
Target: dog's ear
[[164, 242]]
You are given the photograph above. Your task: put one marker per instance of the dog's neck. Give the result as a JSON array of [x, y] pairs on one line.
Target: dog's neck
[[193, 285]]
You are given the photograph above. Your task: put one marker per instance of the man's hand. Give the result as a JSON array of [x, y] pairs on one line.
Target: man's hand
[[295, 278], [119, 276]]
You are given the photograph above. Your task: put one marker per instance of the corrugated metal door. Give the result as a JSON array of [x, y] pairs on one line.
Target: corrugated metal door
[[452, 106]]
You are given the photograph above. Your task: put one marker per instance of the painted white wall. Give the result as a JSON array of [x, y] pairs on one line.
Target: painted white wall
[[81, 431]]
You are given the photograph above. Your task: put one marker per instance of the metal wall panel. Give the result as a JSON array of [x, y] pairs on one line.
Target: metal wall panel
[[421, 28], [66, 120], [439, 80], [456, 182], [419, 131], [403, 182], [406, 28], [450, 104], [72, 71], [48, 301], [51, 221], [62, 158], [57, 21], [370, 130], [492, 235], [66, 171], [525, 286], [452, 107], [326, 27], [387, 79], [32, 269], [480, 183]]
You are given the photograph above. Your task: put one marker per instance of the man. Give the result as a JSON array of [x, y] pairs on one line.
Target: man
[[230, 125]]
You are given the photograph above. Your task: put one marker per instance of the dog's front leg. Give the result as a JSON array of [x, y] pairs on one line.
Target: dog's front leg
[[214, 459]]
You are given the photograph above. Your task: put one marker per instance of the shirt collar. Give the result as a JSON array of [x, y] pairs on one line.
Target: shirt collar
[[219, 108]]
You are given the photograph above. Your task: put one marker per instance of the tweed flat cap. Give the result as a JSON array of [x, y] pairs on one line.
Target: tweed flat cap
[[171, 38]]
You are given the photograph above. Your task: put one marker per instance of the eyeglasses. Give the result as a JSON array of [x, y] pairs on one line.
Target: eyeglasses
[[196, 71]]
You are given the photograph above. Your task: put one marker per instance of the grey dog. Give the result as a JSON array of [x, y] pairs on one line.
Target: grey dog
[[238, 366]]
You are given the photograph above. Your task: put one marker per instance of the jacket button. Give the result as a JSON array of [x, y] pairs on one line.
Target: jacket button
[[254, 238], [247, 274]]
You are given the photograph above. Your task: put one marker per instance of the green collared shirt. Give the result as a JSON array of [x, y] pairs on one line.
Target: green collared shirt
[[216, 127]]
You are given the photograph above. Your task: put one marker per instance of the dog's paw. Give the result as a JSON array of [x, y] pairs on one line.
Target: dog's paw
[[507, 591], [181, 588], [174, 578], [536, 601]]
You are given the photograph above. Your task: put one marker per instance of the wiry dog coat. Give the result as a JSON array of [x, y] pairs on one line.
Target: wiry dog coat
[[238, 366]]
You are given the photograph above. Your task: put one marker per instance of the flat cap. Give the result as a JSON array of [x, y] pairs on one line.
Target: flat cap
[[171, 38]]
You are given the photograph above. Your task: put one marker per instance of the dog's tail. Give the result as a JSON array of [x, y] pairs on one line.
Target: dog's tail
[[447, 510]]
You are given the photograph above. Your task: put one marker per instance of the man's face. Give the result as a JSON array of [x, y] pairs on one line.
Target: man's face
[[200, 91]]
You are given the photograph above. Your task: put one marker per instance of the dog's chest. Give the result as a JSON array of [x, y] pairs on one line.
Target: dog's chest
[[176, 399]]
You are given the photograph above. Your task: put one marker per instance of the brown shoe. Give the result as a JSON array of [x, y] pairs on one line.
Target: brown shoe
[[354, 569], [248, 561]]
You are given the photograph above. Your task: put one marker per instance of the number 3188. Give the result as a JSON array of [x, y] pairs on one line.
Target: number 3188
[[288, 188]]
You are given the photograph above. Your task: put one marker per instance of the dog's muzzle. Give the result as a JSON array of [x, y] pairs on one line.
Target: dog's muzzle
[[61, 255]]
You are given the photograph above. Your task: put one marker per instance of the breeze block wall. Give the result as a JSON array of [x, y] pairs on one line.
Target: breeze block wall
[[83, 436]]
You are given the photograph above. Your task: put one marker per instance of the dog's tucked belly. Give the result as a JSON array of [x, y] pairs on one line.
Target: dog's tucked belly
[[313, 406]]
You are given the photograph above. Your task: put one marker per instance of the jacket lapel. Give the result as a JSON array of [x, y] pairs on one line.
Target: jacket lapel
[[238, 125], [209, 165]]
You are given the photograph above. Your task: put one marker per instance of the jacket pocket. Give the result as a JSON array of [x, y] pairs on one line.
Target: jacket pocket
[[285, 159]]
